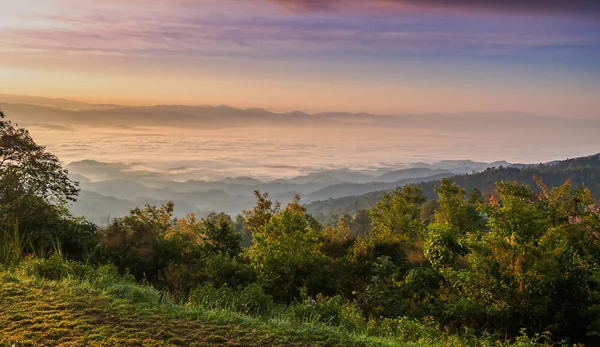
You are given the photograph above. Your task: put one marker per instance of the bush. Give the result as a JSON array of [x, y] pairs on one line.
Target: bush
[[52, 268], [405, 329], [57, 267], [251, 300], [215, 269], [43, 225], [330, 310], [395, 292]]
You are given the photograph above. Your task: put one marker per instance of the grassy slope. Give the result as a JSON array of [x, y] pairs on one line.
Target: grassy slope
[[68, 313], [39, 312]]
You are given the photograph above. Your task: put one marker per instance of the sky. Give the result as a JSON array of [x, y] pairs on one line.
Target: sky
[[378, 56]]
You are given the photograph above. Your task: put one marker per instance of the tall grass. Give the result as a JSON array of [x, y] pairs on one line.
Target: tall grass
[[13, 244]]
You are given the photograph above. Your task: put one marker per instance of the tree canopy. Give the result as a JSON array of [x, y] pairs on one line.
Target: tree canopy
[[27, 169]]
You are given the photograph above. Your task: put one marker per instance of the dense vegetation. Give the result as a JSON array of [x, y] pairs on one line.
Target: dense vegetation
[[580, 171], [517, 265]]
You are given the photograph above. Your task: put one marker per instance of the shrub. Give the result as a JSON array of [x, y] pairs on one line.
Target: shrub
[[330, 310], [43, 225], [52, 268], [393, 291], [57, 267], [406, 329], [250, 300]]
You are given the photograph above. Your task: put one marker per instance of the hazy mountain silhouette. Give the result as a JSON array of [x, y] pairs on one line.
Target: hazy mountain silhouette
[[29, 110], [115, 196], [398, 175]]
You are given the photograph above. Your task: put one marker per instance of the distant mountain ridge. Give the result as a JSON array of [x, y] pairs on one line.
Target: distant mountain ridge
[[30, 110], [129, 188], [581, 171]]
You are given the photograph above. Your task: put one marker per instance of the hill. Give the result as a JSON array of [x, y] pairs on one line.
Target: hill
[[347, 189], [29, 110], [417, 172], [113, 188], [581, 171]]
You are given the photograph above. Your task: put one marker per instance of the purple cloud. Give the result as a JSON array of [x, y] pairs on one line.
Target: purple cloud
[[221, 31], [586, 7]]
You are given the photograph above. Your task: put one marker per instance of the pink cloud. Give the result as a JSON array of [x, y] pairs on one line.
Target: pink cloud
[[584, 7]]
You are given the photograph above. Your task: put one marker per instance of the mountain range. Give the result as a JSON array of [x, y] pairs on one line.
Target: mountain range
[[68, 113], [583, 171], [126, 189]]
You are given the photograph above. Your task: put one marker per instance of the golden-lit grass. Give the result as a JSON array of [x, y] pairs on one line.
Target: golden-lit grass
[[40, 312], [43, 313]]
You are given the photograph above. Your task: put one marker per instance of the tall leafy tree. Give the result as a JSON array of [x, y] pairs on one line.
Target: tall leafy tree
[[220, 236], [285, 250], [27, 169], [443, 241], [397, 215]]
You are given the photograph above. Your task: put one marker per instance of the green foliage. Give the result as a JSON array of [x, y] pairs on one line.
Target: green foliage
[[394, 291], [454, 210], [27, 169], [397, 215], [138, 242], [250, 300], [220, 237], [57, 267], [330, 310], [285, 250], [13, 244], [442, 245], [175, 254], [530, 268]]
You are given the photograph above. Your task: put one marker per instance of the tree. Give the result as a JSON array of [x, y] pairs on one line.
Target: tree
[[452, 206], [144, 240], [443, 241], [34, 190], [27, 169], [397, 215], [285, 249], [220, 237]]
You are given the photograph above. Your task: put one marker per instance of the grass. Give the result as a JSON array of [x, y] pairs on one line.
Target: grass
[[115, 311], [12, 244], [37, 312]]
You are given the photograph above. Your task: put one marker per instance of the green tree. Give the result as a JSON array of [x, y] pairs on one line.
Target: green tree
[[397, 215], [27, 169], [452, 209], [143, 241], [220, 237], [285, 251], [34, 192]]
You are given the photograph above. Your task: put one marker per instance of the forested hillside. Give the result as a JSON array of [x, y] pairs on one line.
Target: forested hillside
[[580, 171]]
